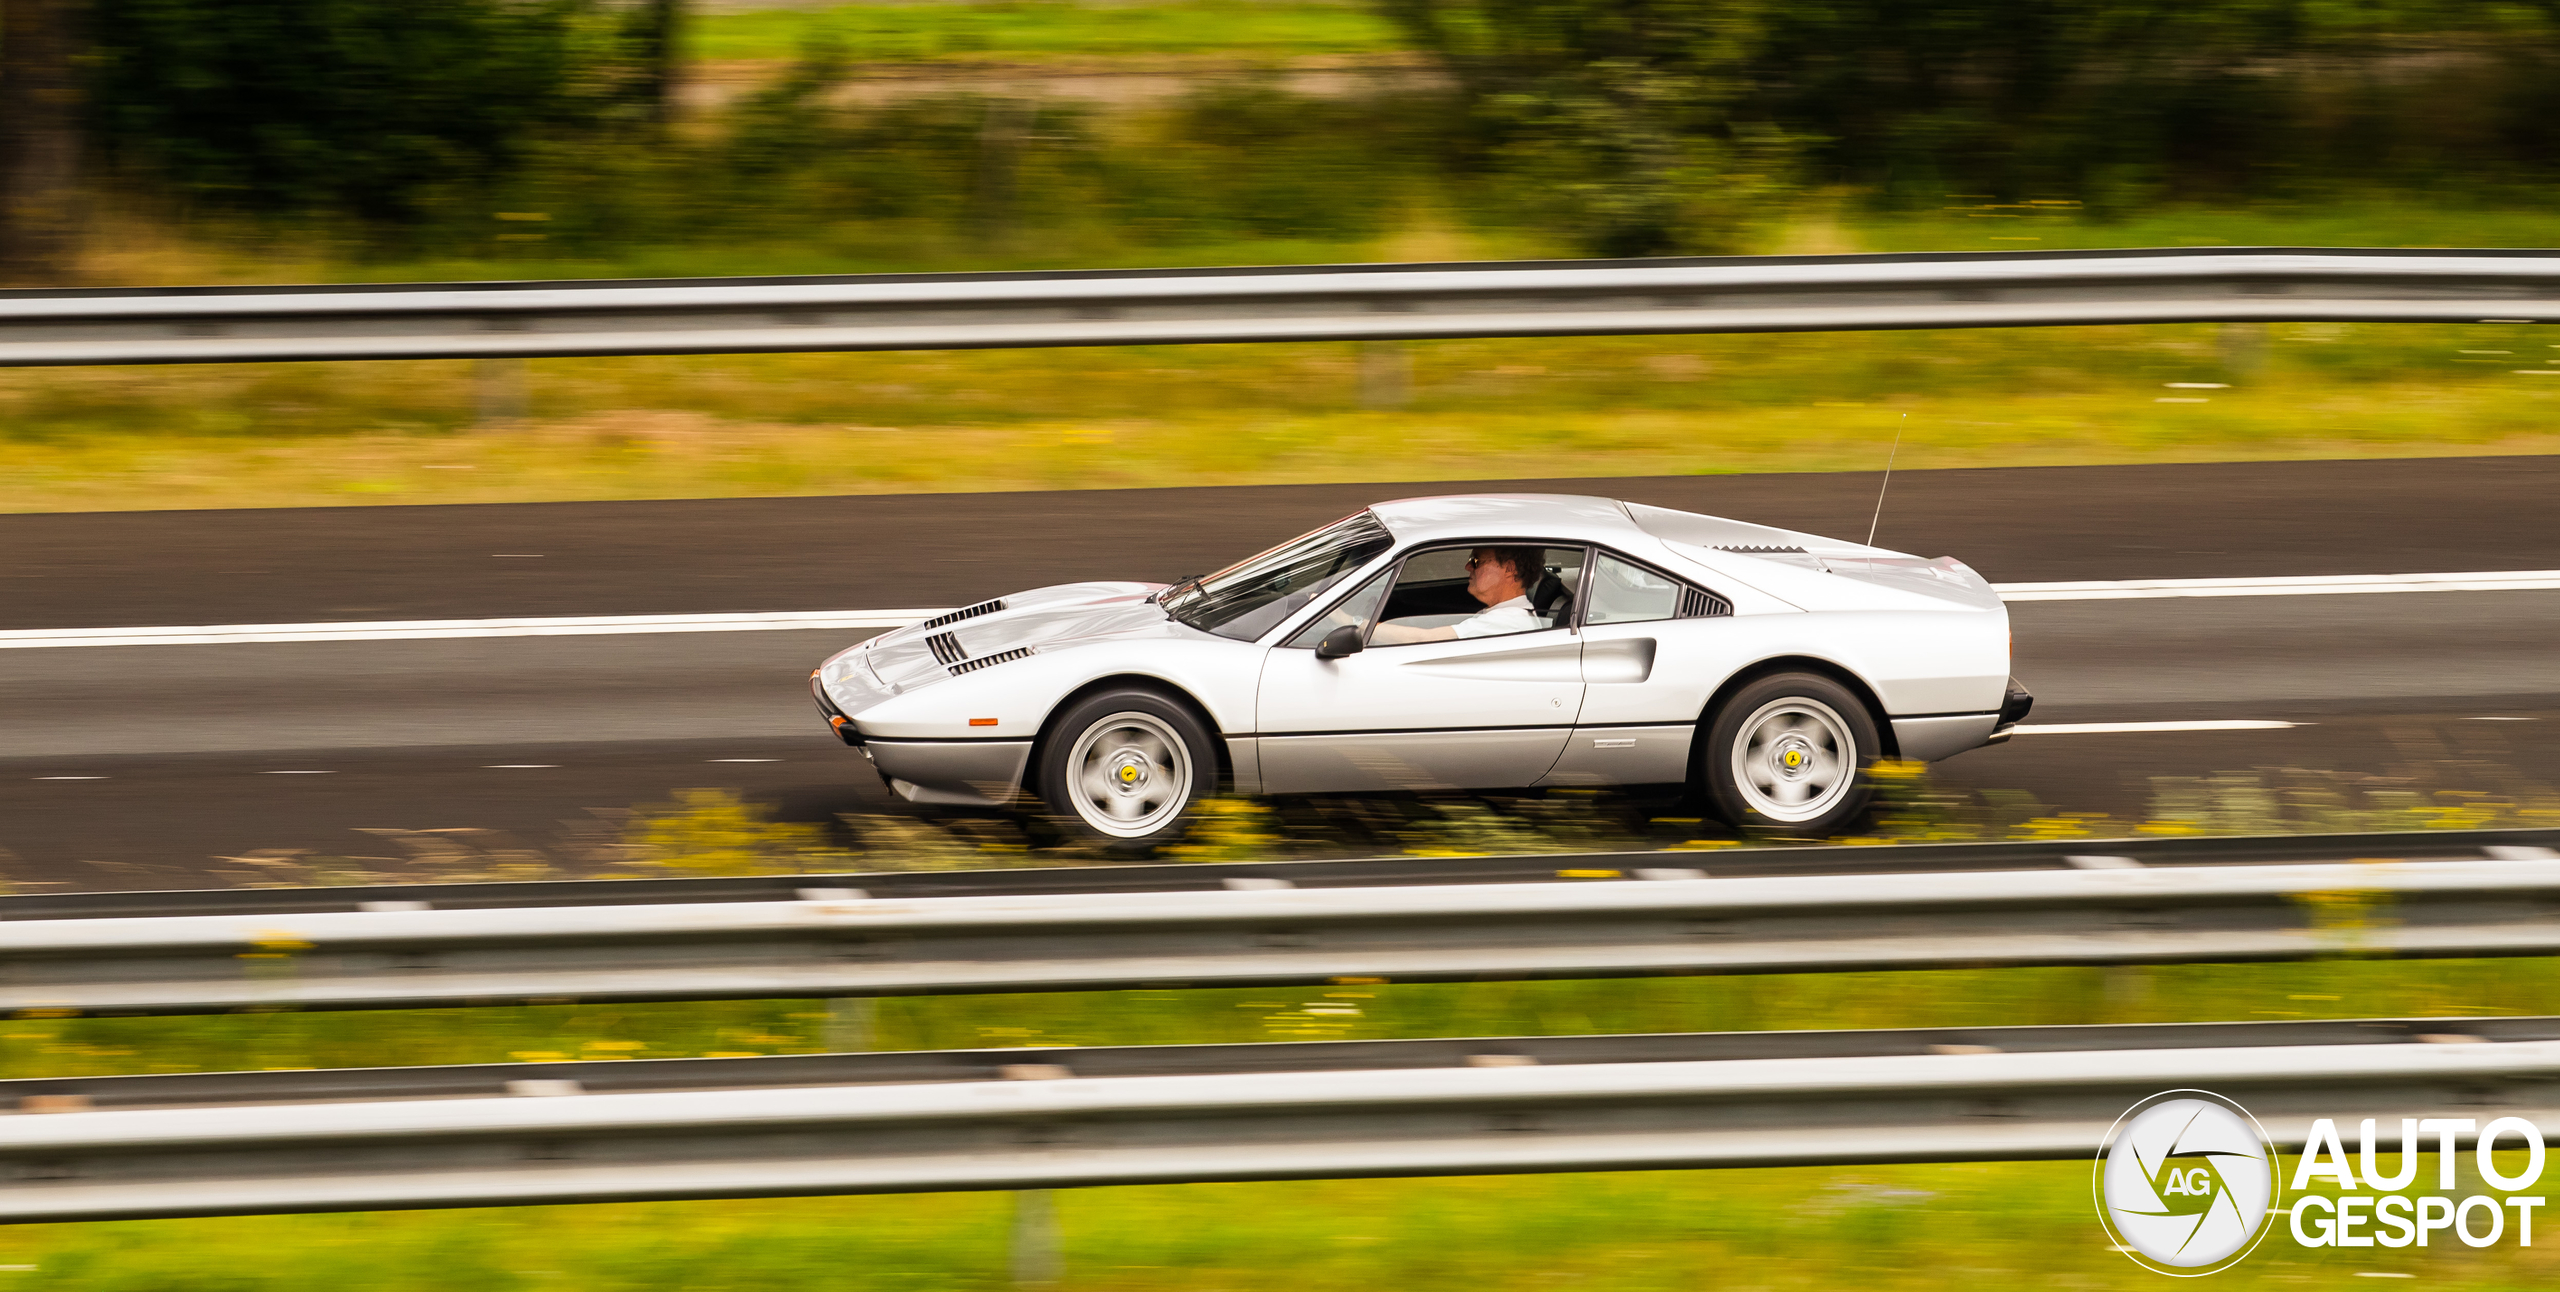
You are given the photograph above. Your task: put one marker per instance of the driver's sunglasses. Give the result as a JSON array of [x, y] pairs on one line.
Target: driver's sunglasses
[[1474, 561]]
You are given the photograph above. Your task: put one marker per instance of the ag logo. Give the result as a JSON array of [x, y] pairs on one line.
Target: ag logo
[[2185, 1182]]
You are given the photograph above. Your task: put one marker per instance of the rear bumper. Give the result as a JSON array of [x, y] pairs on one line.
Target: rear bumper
[[1944, 735], [2013, 710]]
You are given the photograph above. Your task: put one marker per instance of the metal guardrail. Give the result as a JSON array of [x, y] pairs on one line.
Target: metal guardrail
[[1299, 303], [1358, 872], [868, 946], [243, 1143]]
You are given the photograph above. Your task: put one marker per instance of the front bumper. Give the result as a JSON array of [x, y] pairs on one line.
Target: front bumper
[[960, 773], [836, 719]]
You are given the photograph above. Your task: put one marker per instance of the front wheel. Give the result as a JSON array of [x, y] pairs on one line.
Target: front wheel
[[1123, 769], [1787, 755]]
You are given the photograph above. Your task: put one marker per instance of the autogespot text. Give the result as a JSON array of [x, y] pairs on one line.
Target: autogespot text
[[2372, 1208]]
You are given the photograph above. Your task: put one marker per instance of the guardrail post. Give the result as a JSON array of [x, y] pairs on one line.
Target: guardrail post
[[2244, 348], [1386, 374], [498, 390], [853, 1024], [1037, 1260]]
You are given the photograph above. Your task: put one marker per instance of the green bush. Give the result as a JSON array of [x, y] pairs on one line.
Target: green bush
[[376, 109]]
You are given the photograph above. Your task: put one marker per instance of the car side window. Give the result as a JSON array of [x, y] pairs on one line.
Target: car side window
[[1354, 611], [1623, 592], [1430, 600]]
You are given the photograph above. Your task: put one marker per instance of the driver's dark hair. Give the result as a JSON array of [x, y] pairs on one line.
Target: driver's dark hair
[[1528, 564]]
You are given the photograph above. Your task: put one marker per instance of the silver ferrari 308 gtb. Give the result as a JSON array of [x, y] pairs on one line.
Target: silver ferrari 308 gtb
[[1486, 641]]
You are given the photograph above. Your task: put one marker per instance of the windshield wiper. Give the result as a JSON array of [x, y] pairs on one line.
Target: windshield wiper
[[1177, 588]]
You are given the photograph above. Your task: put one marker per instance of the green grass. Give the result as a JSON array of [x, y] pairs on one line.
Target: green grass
[[2383, 221], [1914, 1227], [34, 1047], [883, 33], [736, 426]]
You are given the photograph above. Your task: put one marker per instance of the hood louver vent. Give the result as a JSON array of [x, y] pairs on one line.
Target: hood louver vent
[[964, 612], [1702, 605], [946, 649], [989, 661], [1754, 550]]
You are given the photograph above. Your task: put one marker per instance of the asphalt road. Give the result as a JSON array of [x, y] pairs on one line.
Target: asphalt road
[[352, 749]]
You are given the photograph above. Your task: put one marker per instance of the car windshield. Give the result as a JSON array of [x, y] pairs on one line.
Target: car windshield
[[1251, 597]]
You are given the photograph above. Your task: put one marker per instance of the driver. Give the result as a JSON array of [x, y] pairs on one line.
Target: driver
[[1500, 577]]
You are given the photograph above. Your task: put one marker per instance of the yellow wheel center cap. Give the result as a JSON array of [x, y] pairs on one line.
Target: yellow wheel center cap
[[1793, 759], [1128, 774]]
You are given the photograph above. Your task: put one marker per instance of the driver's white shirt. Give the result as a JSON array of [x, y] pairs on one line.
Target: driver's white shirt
[[1513, 616]]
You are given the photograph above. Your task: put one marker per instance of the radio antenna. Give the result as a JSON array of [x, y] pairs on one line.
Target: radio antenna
[[1878, 519]]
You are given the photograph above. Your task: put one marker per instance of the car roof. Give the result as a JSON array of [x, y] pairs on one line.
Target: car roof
[[1504, 515]]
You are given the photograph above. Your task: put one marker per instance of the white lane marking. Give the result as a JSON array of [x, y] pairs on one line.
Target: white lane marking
[[2116, 728], [299, 772], [829, 620], [70, 778], [514, 767], [2306, 585], [438, 629], [742, 760]]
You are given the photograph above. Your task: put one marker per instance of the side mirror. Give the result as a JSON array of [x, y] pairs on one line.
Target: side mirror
[[1340, 642]]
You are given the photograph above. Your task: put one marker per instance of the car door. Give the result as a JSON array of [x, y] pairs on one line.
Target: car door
[[1645, 651], [1482, 712]]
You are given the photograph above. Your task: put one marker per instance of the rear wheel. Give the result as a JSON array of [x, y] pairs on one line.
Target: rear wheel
[[1124, 769], [1788, 754]]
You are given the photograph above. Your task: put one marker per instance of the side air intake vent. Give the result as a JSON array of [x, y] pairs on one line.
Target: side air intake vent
[[946, 649], [990, 661], [1702, 605], [964, 612]]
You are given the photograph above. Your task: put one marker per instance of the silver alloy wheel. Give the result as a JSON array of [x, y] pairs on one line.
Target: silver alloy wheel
[[1129, 775], [1794, 759]]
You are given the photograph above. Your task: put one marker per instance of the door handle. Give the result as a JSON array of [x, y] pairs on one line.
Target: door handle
[[1625, 660]]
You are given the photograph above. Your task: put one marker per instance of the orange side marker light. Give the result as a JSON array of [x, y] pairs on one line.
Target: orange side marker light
[[982, 722]]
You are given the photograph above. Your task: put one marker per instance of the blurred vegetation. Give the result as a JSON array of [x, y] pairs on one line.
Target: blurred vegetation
[[712, 832], [750, 425], [1050, 29], [376, 111], [1888, 1228], [516, 139], [2347, 987], [395, 131], [1656, 125]]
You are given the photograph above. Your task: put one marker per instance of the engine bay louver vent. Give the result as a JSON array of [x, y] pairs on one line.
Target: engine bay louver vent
[[946, 649], [989, 661], [1695, 604], [964, 612], [1748, 549]]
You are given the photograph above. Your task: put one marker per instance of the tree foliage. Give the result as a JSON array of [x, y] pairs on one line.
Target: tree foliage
[[1618, 114], [1649, 121], [374, 108]]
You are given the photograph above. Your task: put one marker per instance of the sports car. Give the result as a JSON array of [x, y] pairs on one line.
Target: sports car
[[1472, 642]]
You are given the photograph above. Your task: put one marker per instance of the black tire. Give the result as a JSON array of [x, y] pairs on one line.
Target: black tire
[[1744, 761], [1124, 770]]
